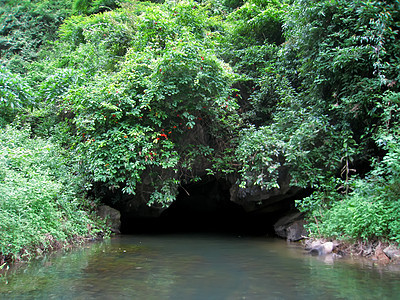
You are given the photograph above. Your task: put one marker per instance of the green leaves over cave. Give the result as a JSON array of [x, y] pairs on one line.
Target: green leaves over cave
[[156, 97], [164, 93]]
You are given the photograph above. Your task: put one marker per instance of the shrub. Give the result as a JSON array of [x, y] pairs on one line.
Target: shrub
[[15, 95], [153, 92], [27, 27], [39, 194], [371, 209]]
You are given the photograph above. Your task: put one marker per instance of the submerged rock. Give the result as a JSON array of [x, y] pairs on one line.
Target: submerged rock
[[112, 216]]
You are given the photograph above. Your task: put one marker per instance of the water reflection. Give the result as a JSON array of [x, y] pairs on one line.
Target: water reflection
[[197, 267]]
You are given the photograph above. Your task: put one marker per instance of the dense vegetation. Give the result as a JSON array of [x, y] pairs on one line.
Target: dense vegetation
[[41, 201], [127, 92]]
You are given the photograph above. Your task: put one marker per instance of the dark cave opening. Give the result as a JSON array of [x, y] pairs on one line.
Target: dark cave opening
[[205, 206]]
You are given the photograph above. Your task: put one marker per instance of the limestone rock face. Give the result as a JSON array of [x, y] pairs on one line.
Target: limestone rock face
[[215, 197], [255, 199], [291, 227], [112, 216]]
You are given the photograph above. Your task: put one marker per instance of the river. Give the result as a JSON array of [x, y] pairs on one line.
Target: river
[[197, 266]]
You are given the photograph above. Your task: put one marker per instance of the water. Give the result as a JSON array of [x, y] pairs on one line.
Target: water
[[185, 266]]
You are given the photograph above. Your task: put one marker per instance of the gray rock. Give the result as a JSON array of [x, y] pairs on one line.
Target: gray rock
[[296, 231], [112, 217], [291, 227], [322, 249], [392, 252], [255, 199]]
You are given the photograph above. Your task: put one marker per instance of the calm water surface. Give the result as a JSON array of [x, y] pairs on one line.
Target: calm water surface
[[197, 266]]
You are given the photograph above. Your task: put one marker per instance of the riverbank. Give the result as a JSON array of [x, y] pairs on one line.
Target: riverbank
[[376, 250], [43, 203], [102, 224], [50, 245]]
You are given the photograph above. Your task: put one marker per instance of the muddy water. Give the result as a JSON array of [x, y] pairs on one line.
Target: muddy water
[[197, 266]]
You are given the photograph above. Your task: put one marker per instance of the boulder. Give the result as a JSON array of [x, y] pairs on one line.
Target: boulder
[[321, 249], [291, 227], [112, 217], [392, 252], [296, 231]]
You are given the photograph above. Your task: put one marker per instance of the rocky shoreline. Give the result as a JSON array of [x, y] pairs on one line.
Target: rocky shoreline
[[291, 227], [377, 251]]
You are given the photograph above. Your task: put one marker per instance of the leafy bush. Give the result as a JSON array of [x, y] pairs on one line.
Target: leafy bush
[[257, 22], [15, 95], [153, 90], [372, 208], [344, 57], [300, 143], [250, 44], [39, 194], [27, 27], [93, 6]]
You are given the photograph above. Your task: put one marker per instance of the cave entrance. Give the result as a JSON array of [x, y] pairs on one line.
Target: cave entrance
[[203, 206]]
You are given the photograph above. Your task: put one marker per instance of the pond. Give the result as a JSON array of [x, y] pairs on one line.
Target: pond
[[197, 266]]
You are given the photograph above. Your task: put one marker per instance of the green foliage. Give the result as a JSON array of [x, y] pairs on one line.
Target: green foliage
[[39, 195], [257, 22], [81, 6], [301, 143], [372, 210], [233, 3], [15, 95], [262, 91], [153, 89], [349, 49], [253, 35], [344, 65], [93, 6], [26, 27]]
